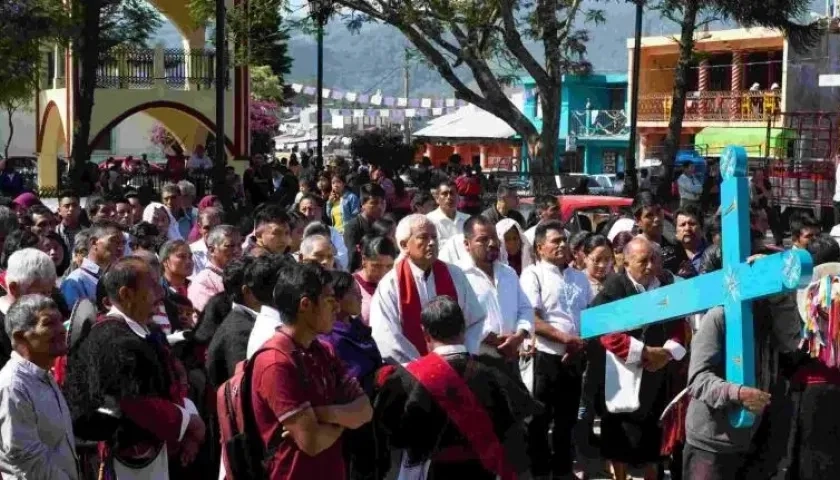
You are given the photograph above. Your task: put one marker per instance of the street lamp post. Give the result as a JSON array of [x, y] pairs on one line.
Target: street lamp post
[[320, 11], [630, 180], [221, 86]]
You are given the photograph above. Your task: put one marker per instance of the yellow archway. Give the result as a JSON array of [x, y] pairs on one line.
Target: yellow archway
[[51, 142]]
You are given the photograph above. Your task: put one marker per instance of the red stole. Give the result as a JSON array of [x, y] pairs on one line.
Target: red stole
[[452, 394], [410, 306]]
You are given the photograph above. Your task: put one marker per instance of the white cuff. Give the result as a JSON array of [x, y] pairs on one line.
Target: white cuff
[[676, 350], [634, 355], [526, 325], [190, 407], [185, 421]]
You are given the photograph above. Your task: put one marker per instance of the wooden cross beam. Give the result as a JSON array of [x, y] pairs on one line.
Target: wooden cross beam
[[735, 287]]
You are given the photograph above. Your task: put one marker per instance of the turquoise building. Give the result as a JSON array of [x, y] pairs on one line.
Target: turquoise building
[[593, 120]]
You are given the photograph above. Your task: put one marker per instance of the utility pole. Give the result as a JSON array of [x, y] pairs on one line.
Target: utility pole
[[320, 83], [406, 89], [630, 180]]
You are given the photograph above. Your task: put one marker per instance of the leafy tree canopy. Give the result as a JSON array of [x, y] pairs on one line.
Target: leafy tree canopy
[[257, 23], [382, 147], [265, 85], [25, 25], [488, 38]]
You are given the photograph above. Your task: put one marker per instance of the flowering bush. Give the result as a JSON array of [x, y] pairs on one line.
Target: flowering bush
[[161, 137], [264, 117]]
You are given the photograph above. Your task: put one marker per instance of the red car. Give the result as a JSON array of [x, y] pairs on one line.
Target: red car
[[584, 212]]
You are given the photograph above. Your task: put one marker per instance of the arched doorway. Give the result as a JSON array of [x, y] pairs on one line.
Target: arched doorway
[[186, 124], [51, 143]]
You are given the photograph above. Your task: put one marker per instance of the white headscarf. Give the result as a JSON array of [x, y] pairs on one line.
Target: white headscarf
[[525, 248], [149, 215]]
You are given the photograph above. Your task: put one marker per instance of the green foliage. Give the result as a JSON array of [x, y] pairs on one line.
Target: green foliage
[[488, 38], [257, 24], [26, 24], [265, 85], [381, 147], [126, 23]]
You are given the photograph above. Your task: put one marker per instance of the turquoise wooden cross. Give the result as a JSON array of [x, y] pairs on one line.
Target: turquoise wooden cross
[[734, 287]]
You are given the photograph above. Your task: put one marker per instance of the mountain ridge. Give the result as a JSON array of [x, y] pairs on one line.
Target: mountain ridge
[[373, 58]]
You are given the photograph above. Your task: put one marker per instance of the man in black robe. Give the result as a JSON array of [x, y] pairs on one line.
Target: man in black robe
[[121, 384], [453, 414], [634, 438]]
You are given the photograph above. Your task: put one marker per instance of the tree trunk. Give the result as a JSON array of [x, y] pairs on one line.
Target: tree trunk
[[11, 112], [549, 143], [672, 140], [86, 55]]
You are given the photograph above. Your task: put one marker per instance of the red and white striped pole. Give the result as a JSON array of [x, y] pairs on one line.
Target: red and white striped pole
[[737, 83], [703, 85]]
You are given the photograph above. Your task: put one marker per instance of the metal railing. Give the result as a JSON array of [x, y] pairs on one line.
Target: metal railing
[[599, 123], [146, 68], [723, 106]]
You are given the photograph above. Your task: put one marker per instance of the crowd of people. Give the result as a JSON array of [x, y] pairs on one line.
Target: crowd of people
[[350, 328]]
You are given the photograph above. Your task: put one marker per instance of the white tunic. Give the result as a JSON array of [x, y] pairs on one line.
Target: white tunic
[[508, 308], [386, 320], [447, 227], [560, 296], [454, 250]]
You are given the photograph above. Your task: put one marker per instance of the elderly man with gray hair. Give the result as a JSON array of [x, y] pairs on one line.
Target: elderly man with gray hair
[[30, 271], [417, 278], [208, 219], [635, 439], [36, 430], [224, 244]]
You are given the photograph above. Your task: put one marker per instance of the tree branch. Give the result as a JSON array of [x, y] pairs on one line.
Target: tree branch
[[513, 41], [570, 19]]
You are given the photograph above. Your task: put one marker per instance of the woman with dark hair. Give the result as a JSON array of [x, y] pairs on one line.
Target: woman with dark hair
[[618, 243], [53, 245], [598, 261], [576, 245], [177, 262], [342, 205], [355, 346], [145, 236], [17, 240], [378, 255]]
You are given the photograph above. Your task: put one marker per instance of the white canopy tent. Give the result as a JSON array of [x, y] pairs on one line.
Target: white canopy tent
[[468, 122]]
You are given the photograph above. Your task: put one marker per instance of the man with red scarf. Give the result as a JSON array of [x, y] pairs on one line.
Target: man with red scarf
[[453, 415], [416, 279]]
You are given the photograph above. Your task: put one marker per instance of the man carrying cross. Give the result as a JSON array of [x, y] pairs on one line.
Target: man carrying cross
[[715, 449], [634, 437]]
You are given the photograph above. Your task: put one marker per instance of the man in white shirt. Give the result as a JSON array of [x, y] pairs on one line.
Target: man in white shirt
[[690, 187], [208, 219], [198, 160], [415, 280], [548, 208], [510, 316], [559, 294], [446, 218], [454, 250]]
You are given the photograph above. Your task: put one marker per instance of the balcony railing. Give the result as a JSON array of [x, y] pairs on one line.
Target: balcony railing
[[141, 68], [744, 106], [599, 123]]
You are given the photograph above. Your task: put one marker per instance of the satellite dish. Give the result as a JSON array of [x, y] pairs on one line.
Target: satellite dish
[[82, 320]]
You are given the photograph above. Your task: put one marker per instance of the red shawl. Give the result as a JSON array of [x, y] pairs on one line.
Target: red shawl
[[465, 411], [410, 306]]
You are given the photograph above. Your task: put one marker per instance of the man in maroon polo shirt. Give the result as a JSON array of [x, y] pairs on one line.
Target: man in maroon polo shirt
[[301, 387]]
